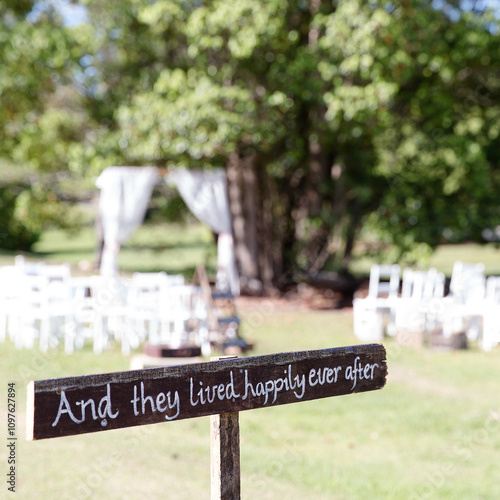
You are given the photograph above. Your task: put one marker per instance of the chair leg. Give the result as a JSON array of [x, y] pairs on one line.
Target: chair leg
[[127, 331], [368, 323], [98, 334], [70, 333], [487, 341], [44, 334]]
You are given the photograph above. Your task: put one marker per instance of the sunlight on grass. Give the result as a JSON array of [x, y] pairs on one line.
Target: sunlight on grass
[[168, 247], [177, 248], [444, 257], [171, 248]]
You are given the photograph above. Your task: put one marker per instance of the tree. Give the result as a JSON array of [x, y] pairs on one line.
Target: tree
[[247, 88], [40, 121], [332, 119], [439, 156], [329, 118]]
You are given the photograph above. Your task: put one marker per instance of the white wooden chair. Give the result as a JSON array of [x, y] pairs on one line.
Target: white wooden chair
[[60, 306], [433, 294], [43, 309], [463, 307], [368, 323], [84, 314], [491, 315], [11, 295], [183, 313], [27, 267], [37, 309], [409, 316], [110, 306], [175, 279], [375, 314], [32, 311], [419, 304], [143, 305]]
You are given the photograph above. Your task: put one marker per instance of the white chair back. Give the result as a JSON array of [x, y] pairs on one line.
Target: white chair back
[[467, 282], [493, 290], [491, 317], [25, 267], [384, 281]]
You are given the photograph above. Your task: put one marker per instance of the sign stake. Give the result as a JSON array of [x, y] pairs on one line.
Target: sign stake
[[220, 389], [225, 453]]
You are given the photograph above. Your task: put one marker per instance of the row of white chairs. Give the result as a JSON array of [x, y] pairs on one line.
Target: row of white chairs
[[43, 304], [417, 301]]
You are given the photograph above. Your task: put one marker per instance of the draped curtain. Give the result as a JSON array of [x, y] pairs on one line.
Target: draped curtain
[[205, 194], [125, 195]]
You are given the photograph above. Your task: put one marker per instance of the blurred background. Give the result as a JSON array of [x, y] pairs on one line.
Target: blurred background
[[347, 129], [351, 133]]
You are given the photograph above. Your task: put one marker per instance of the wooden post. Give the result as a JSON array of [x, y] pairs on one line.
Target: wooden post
[[221, 389], [225, 453], [225, 456]]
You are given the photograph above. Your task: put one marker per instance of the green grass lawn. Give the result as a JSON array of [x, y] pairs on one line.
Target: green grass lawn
[[176, 248], [444, 257], [164, 247], [432, 432]]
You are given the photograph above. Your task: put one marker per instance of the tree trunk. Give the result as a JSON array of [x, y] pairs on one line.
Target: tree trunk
[[259, 235], [265, 233], [243, 203]]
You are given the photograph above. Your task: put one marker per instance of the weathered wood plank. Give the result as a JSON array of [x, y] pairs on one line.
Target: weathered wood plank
[[91, 403], [225, 456], [225, 453]]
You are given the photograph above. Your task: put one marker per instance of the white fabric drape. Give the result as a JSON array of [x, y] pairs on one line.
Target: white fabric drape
[[205, 194], [125, 194]]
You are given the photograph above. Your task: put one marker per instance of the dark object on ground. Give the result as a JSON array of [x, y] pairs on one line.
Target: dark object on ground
[[337, 282], [453, 342], [167, 351]]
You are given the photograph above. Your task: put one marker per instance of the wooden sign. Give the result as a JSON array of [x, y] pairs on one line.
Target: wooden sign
[[77, 405]]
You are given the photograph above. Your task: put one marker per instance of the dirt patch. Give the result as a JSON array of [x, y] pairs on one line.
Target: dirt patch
[[301, 297]]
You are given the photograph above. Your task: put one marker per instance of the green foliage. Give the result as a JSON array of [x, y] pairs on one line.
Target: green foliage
[[31, 202], [166, 205], [374, 91], [42, 121], [436, 156], [15, 234], [376, 115], [36, 60]]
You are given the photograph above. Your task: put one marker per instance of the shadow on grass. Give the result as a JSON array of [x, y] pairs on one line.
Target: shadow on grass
[[186, 271], [8, 253], [165, 247], [44, 254]]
